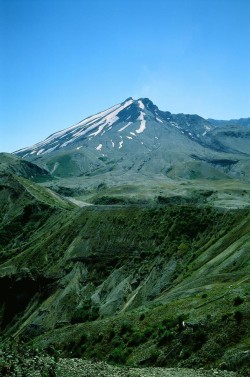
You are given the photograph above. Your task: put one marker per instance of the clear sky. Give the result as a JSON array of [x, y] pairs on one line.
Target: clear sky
[[62, 60]]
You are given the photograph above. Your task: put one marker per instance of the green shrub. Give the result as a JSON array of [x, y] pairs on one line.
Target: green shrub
[[166, 337], [111, 334], [169, 323], [148, 332], [238, 316], [125, 328], [119, 355], [137, 338], [199, 339], [224, 317], [239, 361], [117, 342], [238, 301], [142, 316], [152, 359]]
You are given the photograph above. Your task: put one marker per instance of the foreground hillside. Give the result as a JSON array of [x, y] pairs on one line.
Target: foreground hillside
[[160, 284]]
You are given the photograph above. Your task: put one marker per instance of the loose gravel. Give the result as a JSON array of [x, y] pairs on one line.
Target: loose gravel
[[85, 368]]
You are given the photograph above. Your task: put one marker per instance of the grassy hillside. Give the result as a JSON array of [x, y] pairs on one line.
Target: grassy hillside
[[116, 282], [11, 164]]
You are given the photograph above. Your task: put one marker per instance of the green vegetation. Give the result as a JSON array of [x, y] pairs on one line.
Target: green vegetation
[[163, 284], [21, 360]]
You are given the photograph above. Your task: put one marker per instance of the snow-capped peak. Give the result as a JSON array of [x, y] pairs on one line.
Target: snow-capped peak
[[141, 104], [129, 120]]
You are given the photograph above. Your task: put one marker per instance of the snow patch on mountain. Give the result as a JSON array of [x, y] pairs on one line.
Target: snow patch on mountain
[[50, 149], [123, 128], [159, 120], [207, 128], [54, 167], [143, 123], [41, 151], [111, 118], [99, 147], [100, 128], [93, 118], [141, 105]]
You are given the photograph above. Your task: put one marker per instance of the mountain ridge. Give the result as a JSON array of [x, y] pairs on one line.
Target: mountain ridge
[[234, 122]]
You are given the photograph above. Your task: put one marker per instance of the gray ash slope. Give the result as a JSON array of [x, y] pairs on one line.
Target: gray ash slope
[[136, 136]]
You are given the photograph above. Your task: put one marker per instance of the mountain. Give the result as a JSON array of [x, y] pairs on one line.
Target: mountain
[[136, 136], [119, 128], [232, 122]]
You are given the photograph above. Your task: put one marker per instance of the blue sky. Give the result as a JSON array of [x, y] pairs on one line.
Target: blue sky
[[62, 60]]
